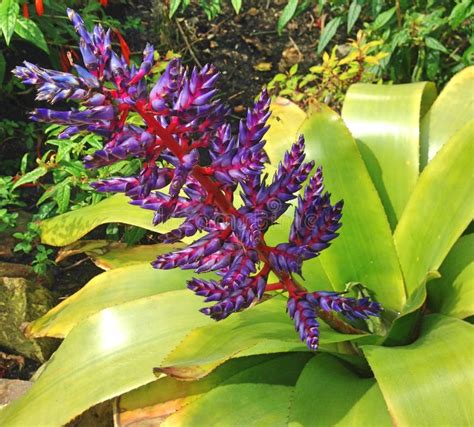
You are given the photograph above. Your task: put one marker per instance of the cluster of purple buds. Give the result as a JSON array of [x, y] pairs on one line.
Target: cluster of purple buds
[[192, 165], [303, 307]]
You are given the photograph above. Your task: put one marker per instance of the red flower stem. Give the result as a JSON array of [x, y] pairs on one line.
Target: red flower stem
[[217, 195], [274, 287]]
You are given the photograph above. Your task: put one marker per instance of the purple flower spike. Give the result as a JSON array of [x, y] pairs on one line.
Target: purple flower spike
[[304, 315], [191, 167]]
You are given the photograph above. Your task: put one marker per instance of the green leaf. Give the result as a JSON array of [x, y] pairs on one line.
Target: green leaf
[[62, 195], [434, 44], [71, 226], [133, 255], [267, 323], [287, 14], [29, 31], [237, 4], [438, 211], [154, 402], [353, 14], [428, 382], [453, 293], [284, 123], [108, 289], [450, 112], [356, 255], [322, 383], [110, 353], [174, 5], [257, 396], [31, 176], [383, 18], [328, 33], [9, 10], [460, 12], [385, 121]]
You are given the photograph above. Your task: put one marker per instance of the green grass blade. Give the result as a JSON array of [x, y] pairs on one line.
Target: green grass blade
[[429, 382], [450, 112], [329, 394], [110, 353], [385, 121], [453, 293], [438, 211], [364, 251]]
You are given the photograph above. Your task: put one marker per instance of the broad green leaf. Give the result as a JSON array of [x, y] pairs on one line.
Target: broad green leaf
[[329, 394], [450, 112], [29, 31], [71, 226], [256, 396], [132, 255], [385, 121], [429, 382], [453, 293], [438, 211], [9, 10], [174, 5], [364, 252], [154, 402], [236, 4], [328, 33], [288, 13], [110, 353], [31, 176], [354, 12], [108, 289], [205, 348]]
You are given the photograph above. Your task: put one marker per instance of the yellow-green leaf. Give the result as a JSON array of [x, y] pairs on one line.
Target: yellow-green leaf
[[65, 229], [364, 252], [450, 112], [329, 394], [385, 121], [112, 352], [429, 382], [205, 348], [438, 211], [453, 293], [108, 289]]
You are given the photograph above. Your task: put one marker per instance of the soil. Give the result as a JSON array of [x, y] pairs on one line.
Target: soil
[[245, 48]]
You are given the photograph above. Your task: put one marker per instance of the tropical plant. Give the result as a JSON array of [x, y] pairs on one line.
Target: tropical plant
[[403, 173]]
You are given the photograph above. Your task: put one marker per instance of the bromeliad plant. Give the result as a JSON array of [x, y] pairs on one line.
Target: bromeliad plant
[[400, 161], [182, 118]]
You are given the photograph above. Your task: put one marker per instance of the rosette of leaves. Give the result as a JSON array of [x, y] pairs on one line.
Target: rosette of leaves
[[400, 157]]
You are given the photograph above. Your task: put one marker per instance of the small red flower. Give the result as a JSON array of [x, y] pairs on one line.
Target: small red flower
[[26, 12], [123, 46], [39, 7], [104, 3]]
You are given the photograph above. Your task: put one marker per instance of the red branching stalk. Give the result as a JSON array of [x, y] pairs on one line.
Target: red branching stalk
[[203, 176]]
